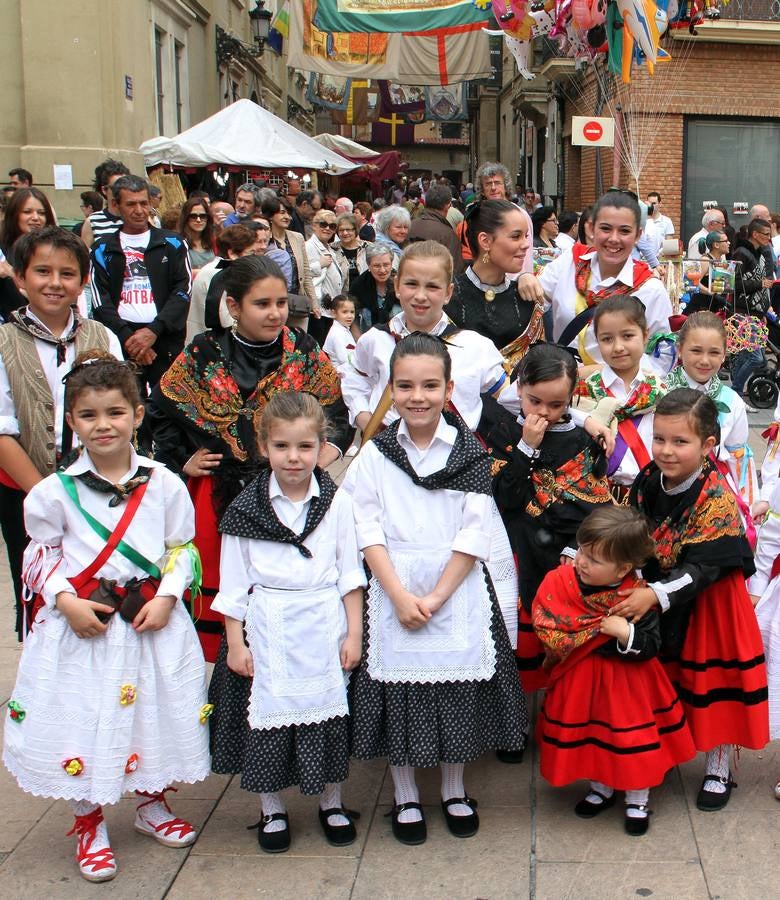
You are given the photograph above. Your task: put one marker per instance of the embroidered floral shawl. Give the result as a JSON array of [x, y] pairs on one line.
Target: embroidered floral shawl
[[200, 387], [565, 618]]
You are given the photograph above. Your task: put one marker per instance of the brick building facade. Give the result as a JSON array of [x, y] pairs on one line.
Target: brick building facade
[[718, 93], [714, 81]]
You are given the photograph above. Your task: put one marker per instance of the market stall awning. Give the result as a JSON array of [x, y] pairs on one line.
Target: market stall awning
[[247, 136], [345, 146], [375, 168]]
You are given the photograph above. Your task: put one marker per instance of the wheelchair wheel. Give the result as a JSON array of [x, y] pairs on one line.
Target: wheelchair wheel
[[762, 391]]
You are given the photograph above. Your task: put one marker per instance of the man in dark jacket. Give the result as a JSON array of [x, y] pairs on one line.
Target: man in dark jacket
[[141, 283], [432, 225], [751, 296]]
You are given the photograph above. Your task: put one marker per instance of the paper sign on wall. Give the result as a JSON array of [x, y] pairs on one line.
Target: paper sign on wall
[[63, 177]]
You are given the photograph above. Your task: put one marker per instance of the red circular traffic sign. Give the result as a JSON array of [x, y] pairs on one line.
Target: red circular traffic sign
[[592, 131]]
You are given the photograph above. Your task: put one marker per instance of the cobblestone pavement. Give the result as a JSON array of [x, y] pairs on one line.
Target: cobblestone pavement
[[529, 844]]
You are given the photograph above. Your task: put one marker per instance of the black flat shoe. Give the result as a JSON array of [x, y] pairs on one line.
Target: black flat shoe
[[461, 826], [585, 809], [411, 833], [273, 841], [510, 757], [711, 801], [636, 826], [339, 835]]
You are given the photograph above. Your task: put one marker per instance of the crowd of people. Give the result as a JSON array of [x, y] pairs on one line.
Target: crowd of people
[[539, 502]]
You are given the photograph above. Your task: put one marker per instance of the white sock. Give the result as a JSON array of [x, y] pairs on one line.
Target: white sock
[[604, 789], [272, 803], [330, 798], [406, 792], [639, 797], [82, 807], [718, 764], [452, 786]]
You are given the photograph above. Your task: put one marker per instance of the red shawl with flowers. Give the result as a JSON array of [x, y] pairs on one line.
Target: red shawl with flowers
[[642, 273], [566, 619]]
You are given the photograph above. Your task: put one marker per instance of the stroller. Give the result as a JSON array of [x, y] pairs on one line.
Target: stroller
[[763, 386]]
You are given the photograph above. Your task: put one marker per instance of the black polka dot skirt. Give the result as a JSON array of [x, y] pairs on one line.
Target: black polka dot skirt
[[454, 722], [309, 756]]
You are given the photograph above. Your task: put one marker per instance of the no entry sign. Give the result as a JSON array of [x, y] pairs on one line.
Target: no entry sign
[[592, 131]]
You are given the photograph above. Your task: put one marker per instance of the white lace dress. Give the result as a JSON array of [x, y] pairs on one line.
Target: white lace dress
[[91, 718]]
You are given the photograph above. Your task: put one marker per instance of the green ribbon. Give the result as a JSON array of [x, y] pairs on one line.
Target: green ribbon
[[100, 529]]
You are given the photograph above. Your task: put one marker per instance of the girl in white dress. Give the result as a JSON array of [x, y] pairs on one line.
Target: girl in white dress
[[111, 690], [764, 589], [438, 683], [291, 577], [340, 342], [623, 388]]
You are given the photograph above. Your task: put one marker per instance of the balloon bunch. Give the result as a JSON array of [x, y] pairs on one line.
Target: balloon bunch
[[628, 31]]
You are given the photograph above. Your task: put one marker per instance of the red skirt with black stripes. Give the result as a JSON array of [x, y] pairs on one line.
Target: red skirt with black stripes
[[209, 625], [611, 720], [530, 655], [721, 673]]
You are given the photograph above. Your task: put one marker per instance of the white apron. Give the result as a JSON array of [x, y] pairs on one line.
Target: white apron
[[295, 638], [454, 645]]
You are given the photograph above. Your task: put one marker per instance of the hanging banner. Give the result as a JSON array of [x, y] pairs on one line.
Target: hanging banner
[[339, 54], [356, 111], [401, 98], [398, 15], [329, 91], [447, 103], [427, 58]]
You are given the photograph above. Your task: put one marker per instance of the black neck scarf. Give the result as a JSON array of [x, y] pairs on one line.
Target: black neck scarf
[[251, 514], [467, 468]]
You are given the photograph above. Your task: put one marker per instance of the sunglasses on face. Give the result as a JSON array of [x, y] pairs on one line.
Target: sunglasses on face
[[331, 225], [203, 216]]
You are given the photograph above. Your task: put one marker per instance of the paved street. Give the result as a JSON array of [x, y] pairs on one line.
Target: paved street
[[529, 845]]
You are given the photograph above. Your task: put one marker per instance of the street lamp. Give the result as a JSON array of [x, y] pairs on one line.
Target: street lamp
[[261, 26]]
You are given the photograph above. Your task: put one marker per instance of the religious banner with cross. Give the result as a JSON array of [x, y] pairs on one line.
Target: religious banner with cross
[[392, 131]]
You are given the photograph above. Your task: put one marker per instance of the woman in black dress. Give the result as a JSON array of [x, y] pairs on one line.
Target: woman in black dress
[[484, 298]]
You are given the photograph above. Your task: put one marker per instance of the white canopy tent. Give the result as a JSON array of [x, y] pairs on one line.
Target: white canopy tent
[[345, 146], [245, 135]]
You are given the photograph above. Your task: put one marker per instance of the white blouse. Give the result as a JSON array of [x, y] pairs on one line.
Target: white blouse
[[558, 282], [339, 345], [628, 469], [333, 544], [389, 507], [65, 544], [768, 546], [477, 368]]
